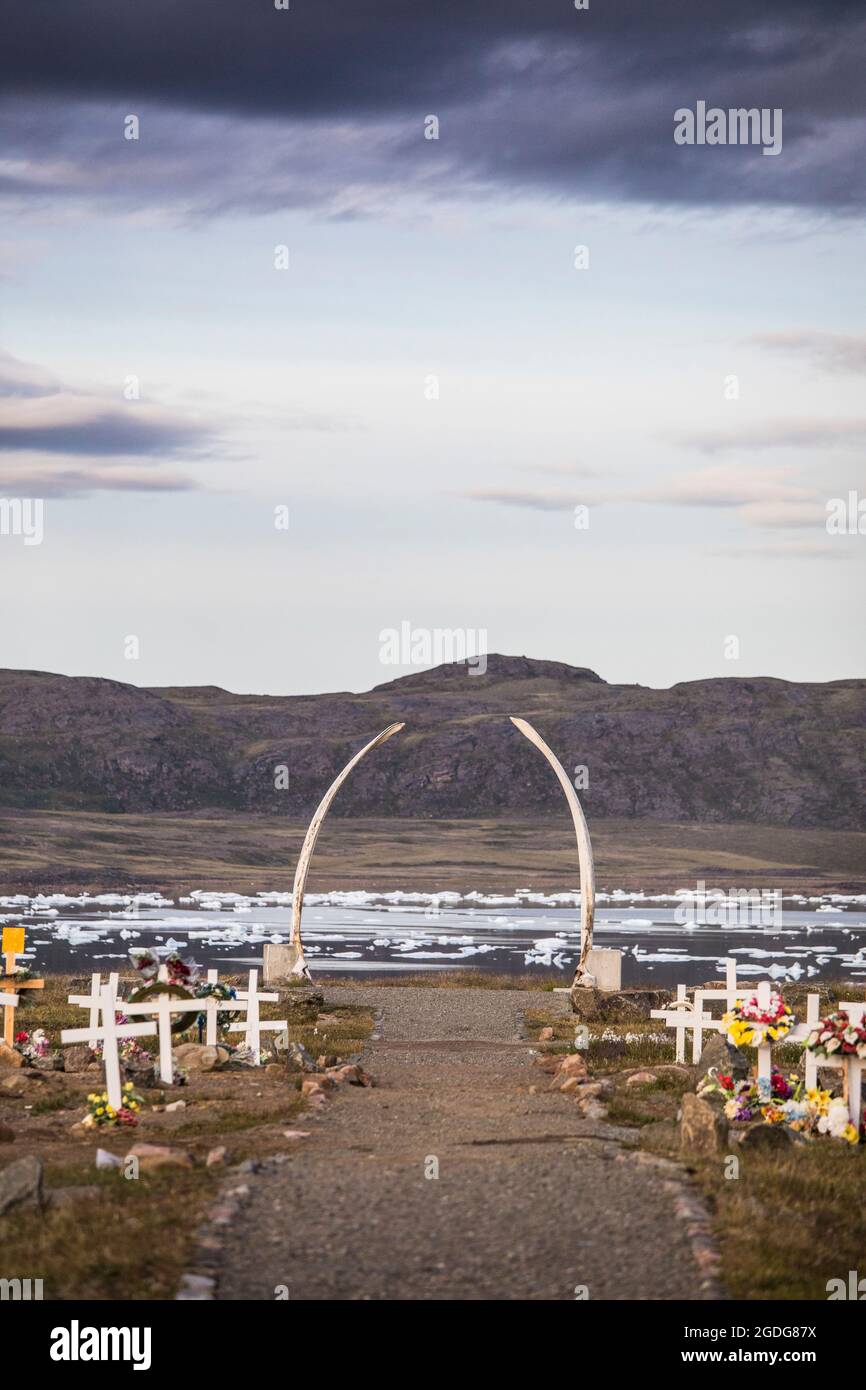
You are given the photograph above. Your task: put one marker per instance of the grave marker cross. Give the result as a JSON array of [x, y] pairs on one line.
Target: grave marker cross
[[109, 1033], [682, 1016], [253, 1026], [12, 946]]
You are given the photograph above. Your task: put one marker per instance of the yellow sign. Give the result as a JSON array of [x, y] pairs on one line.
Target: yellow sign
[[13, 941]]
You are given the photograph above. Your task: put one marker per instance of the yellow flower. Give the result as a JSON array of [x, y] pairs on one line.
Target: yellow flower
[[100, 1110], [127, 1086], [850, 1133]]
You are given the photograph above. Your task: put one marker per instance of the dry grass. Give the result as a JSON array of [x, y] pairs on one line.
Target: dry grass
[[42, 850]]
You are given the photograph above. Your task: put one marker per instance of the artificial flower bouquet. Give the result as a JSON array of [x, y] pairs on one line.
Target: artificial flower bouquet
[[748, 1024], [100, 1114], [837, 1036], [785, 1100], [32, 1045]]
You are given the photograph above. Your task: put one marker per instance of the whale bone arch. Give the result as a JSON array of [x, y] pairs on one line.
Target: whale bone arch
[[584, 846], [299, 966]]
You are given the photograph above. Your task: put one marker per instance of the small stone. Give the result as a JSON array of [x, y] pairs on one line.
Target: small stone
[[312, 1086], [571, 1083], [296, 1133], [9, 1058], [153, 1156], [195, 1287], [176, 1105], [21, 1185], [594, 1089], [77, 1058], [592, 1109], [546, 1035], [641, 1078], [703, 1128], [217, 1157], [572, 1065], [104, 1159]]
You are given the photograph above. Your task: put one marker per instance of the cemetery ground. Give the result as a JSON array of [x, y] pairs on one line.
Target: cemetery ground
[[465, 1172], [151, 1219]]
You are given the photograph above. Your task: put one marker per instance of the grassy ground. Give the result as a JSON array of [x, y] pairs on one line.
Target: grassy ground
[[130, 1238], [788, 1222], [42, 850]]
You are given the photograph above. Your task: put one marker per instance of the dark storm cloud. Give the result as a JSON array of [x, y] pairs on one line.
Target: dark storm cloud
[[323, 104], [83, 427]]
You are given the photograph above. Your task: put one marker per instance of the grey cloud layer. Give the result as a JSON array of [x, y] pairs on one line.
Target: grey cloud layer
[[323, 105]]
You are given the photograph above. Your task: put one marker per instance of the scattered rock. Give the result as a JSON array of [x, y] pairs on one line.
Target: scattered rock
[[703, 1127], [352, 1073], [195, 1288], [143, 1074], [296, 1133], [591, 1109], [572, 1065], [299, 1059], [77, 1058], [641, 1078], [193, 1056], [21, 1185], [217, 1157], [176, 1105], [7, 1135], [104, 1159], [152, 1156], [546, 1035], [326, 1060], [761, 1138], [594, 1089], [571, 1083], [9, 1058]]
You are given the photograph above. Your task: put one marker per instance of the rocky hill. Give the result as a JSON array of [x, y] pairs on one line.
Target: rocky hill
[[770, 751]]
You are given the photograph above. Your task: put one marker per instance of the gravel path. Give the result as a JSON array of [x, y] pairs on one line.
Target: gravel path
[[530, 1201]]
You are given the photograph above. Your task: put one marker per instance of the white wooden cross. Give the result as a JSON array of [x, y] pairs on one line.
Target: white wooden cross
[[210, 1006], [109, 1033], [682, 1016], [93, 1000], [854, 1065], [253, 1026], [164, 1005]]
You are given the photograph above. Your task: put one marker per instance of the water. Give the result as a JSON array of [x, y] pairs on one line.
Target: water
[[382, 934]]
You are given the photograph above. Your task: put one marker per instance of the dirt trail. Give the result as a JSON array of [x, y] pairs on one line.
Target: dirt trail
[[530, 1202]]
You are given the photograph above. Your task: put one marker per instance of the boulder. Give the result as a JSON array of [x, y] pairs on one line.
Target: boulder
[[641, 1078], [761, 1138], [77, 1058], [21, 1185], [703, 1127], [9, 1058], [617, 1006], [153, 1156], [731, 1061], [193, 1056]]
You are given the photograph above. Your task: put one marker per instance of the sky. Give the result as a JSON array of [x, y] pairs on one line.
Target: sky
[[286, 373]]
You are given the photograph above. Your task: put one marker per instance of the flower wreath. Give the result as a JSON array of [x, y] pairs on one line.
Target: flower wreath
[[747, 1023], [837, 1036], [217, 990]]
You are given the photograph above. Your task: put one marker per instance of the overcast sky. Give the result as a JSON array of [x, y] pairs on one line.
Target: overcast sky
[[433, 385]]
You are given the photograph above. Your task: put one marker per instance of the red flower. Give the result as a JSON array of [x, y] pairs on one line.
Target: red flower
[[726, 1081], [21, 1037]]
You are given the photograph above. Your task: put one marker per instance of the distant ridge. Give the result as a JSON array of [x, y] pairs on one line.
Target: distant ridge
[[758, 749]]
